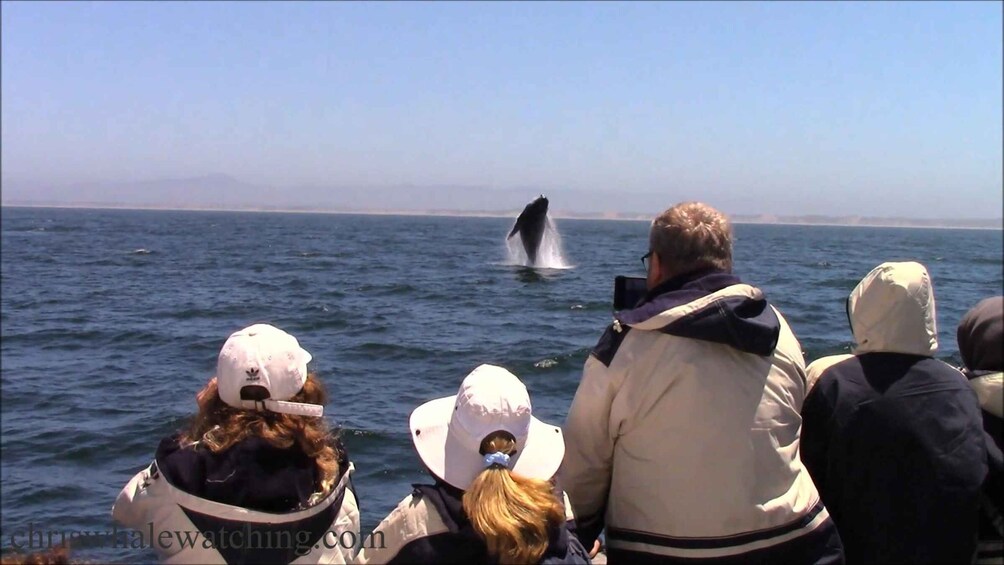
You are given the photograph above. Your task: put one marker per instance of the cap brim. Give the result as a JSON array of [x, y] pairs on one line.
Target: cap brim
[[457, 464], [284, 407]]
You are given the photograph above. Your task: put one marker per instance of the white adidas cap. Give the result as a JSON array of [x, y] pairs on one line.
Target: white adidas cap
[[264, 356], [448, 432]]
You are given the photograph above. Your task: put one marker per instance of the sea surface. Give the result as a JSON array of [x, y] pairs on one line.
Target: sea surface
[[112, 320]]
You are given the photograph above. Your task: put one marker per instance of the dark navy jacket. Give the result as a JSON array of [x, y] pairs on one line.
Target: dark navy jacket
[[894, 443], [981, 345], [894, 438], [252, 474]]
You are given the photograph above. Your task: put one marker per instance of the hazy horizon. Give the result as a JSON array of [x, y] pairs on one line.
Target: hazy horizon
[[868, 109], [460, 201]]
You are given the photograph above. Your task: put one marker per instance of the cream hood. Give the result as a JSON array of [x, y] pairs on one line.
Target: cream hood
[[892, 310]]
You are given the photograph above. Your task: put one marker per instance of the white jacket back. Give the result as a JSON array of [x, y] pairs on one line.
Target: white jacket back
[[683, 436]]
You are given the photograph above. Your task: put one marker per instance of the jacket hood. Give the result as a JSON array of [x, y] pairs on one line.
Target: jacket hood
[[161, 498], [251, 474], [892, 311], [710, 306], [981, 336]]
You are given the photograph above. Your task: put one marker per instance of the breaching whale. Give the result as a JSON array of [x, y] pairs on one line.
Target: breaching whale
[[530, 225]]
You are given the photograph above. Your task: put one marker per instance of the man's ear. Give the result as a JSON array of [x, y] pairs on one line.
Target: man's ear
[[654, 275]]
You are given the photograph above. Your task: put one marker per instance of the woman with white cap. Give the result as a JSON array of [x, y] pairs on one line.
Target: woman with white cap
[[493, 500], [259, 477]]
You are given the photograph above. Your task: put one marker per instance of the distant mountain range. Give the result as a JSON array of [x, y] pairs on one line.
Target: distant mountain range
[[223, 192]]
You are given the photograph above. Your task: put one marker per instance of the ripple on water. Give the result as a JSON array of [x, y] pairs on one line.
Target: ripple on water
[[391, 351]]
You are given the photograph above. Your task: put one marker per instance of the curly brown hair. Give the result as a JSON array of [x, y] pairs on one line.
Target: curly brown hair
[[218, 426], [59, 555]]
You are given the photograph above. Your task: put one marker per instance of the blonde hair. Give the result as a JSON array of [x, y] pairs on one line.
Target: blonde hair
[[513, 514], [692, 236], [218, 426]]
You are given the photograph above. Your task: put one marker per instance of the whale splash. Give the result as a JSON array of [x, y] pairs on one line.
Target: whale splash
[[550, 254]]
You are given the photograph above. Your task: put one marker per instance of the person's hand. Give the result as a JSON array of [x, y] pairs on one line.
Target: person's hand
[[596, 549]]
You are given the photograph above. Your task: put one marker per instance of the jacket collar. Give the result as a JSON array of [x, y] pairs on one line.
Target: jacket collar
[[708, 305]]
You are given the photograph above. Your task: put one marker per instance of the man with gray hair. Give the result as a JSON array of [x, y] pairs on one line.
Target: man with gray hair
[[683, 437]]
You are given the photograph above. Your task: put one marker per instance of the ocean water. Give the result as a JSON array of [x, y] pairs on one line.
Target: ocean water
[[112, 320]]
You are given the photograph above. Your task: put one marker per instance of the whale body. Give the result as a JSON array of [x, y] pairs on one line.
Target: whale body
[[530, 226]]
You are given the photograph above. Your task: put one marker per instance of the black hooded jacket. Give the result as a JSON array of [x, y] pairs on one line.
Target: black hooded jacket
[[981, 344], [893, 438]]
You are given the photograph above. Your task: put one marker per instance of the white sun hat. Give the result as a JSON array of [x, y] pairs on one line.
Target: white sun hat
[[264, 356], [448, 432]]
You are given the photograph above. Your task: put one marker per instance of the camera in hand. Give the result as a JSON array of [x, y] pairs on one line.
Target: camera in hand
[[628, 291]]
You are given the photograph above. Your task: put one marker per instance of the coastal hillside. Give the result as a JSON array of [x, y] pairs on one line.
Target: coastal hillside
[[224, 192]]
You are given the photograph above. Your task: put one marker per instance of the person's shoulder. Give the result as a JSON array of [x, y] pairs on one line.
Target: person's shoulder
[[610, 342], [416, 516], [815, 371], [168, 445], [404, 535], [174, 451], [948, 377], [182, 464], [989, 389], [943, 370]]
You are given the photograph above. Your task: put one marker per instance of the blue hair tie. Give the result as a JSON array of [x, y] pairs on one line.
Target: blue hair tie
[[497, 458]]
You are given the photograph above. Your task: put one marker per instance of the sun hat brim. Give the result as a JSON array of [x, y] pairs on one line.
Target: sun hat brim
[[450, 459]]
